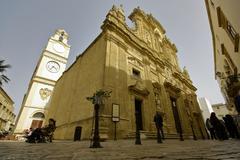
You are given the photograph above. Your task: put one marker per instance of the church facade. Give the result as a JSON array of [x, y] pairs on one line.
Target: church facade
[[51, 65], [140, 67]]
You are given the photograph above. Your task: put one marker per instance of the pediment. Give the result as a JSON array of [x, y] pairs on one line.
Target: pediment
[[139, 88], [171, 87]]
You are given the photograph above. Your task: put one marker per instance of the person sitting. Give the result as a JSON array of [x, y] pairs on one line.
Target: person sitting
[[49, 129], [40, 135]]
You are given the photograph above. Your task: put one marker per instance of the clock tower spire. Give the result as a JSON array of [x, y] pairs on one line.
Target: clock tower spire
[[50, 67]]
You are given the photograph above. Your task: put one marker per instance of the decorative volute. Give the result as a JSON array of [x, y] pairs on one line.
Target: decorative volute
[[117, 13]]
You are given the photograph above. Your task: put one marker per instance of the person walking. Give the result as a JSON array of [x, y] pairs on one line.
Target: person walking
[[231, 126], [159, 125], [218, 127], [210, 129]]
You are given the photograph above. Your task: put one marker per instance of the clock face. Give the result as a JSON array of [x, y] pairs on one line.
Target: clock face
[[58, 47], [53, 66]]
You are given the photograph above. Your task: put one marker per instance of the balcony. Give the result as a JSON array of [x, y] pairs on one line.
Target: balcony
[[233, 85]]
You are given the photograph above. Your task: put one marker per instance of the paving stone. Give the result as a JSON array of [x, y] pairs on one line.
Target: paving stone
[[122, 150]]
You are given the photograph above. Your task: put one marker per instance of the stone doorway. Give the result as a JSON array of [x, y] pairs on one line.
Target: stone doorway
[[77, 133], [36, 124], [138, 111], [176, 115]]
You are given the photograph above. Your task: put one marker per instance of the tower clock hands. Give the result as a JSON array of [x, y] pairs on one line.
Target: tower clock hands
[[53, 66]]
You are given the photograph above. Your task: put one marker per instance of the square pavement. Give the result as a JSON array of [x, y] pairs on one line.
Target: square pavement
[[122, 150]]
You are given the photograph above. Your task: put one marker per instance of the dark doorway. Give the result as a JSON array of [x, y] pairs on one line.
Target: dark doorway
[[138, 113], [176, 115], [77, 134]]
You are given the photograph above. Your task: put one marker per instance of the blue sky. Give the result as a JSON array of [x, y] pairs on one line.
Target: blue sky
[[26, 26]]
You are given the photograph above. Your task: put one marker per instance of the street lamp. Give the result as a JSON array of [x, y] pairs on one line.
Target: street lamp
[[97, 99]]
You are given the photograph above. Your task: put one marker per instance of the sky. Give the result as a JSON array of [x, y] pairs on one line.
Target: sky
[[26, 25]]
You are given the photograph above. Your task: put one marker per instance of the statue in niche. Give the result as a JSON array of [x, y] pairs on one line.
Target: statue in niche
[[185, 72]]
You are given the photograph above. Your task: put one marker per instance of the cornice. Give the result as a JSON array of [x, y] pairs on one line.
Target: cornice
[[55, 56], [172, 87], [44, 81], [114, 39], [64, 44], [6, 95], [184, 80]]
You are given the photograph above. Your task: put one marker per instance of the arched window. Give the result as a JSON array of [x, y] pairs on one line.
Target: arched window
[[38, 115]]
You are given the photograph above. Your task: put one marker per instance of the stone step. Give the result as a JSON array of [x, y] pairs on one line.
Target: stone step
[[153, 135]]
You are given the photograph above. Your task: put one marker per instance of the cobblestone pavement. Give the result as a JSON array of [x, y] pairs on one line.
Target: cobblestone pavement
[[122, 149]]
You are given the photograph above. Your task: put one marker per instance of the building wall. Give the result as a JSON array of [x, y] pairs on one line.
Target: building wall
[[224, 22], [137, 64], [7, 117], [69, 105], [220, 110], [206, 108]]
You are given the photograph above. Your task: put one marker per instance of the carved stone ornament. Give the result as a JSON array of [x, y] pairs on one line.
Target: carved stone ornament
[[139, 88], [135, 61], [44, 93], [156, 85]]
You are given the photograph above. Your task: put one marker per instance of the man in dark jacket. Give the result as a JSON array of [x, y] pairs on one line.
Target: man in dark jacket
[[237, 102], [159, 125]]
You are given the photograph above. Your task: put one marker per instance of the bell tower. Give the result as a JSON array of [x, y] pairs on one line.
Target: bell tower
[[50, 67]]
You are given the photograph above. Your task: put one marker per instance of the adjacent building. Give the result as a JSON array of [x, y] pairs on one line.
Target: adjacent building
[[224, 23], [49, 68], [206, 107], [7, 116], [220, 109], [139, 65]]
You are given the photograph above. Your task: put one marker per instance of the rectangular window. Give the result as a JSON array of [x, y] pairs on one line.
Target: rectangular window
[[234, 36], [136, 73], [229, 59], [212, 3], [226, 25], [221, 18]]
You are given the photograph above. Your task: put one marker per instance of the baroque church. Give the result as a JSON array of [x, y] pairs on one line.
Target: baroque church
[[139, 65]]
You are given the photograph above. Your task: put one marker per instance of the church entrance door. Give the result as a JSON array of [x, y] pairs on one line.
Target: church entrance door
[[36, 124], [138, 112], [176, 115], [77, 134]]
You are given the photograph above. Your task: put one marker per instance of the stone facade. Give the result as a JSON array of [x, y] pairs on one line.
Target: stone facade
[[7, 117], [224, 23], [140, 66]]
